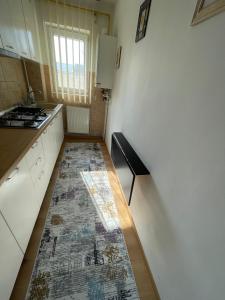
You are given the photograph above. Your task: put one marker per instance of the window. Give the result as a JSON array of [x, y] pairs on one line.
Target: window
[[70, 61]]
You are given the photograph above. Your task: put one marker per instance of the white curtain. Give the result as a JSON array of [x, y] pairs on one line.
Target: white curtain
[[70, 35]]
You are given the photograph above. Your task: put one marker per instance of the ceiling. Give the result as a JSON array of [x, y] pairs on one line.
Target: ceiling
[[107, 5], [108, 1]]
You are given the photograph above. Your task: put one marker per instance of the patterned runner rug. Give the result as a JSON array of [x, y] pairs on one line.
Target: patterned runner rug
[[82, 253]]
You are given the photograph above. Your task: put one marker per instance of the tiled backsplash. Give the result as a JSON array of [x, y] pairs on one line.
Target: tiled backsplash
[[12, 82]]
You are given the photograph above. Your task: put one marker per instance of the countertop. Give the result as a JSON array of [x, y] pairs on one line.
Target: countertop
[[14, 143]]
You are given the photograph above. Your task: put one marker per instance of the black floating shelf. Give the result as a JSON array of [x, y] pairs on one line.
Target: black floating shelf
[[127, 163], [136, 165]]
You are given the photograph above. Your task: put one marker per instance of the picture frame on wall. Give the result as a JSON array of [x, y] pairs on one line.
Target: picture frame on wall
[[206, 9], [143, 20], [118, 57]]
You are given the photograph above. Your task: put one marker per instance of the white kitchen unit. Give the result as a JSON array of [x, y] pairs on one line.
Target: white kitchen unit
[[12, 27], [36, 164], [17, 203], [7, 30], [52, 139], [11, 258], [31, 27], [59, 130], [49, 145], [21, 196], [45, 156], [18, 28], [106, 50]]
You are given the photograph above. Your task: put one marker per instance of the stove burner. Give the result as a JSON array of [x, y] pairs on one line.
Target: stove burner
[[24, 117]]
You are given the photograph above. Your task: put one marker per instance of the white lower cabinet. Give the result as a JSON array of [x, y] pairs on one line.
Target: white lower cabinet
[[52, 139], [11, 257], [18, 205], [59, 130], [21, 196]]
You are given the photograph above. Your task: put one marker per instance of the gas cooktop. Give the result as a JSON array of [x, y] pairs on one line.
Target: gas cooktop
[[24, 117]]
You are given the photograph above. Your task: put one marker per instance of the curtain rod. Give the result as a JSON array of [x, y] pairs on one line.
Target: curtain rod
[[85, 9]]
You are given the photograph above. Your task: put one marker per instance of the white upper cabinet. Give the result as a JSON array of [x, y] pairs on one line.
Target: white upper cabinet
[[7, 29], [106, 61], [31, 26], [19, 27]]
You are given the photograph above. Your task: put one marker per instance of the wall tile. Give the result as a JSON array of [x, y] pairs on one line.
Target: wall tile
[[1, 74], [12, 82], [9, 66]]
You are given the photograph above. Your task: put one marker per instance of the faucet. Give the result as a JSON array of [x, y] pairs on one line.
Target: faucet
[[31, 95]]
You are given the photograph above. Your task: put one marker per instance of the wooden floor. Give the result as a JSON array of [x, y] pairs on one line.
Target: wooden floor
[[145, 283]]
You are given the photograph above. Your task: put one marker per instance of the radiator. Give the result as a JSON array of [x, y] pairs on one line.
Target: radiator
[[78, 119]]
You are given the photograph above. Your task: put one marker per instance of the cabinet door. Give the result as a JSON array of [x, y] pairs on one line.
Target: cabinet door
[[32, 28], [59, 130], [6, 27], [40, 177], [11, 258], [54, 142], [19, 27], [52, 139], [18, 205], [106, 61]]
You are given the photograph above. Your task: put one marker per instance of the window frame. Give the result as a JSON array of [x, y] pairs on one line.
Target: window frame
[[74, 34]]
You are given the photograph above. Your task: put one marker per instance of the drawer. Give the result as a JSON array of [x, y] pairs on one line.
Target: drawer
[[34, 154], [40, 180], [37, 168]]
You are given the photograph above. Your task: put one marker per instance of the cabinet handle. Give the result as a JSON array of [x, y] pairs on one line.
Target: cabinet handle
[[38, 160], [42, 173], [10, 47], [13, 174], [24, 53], [34, 145]]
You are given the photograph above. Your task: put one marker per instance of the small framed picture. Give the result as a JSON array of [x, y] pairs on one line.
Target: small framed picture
[[118, 57], [143, 20], [206, 9]]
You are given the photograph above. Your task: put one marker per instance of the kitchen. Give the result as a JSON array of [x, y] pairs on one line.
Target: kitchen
[[50, 101], [112, 149]]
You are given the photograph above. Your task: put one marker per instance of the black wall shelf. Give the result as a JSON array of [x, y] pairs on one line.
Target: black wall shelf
[[127, 163]]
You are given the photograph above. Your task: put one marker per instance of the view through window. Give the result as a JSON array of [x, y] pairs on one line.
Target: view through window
[[70, 59]]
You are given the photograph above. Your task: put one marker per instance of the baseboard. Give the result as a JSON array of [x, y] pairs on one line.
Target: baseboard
[[82, 136]]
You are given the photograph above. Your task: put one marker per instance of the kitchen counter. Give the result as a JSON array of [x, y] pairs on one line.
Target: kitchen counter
[[14, 143]]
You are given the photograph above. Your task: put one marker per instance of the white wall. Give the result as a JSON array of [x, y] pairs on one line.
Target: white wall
[[169, 101]]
